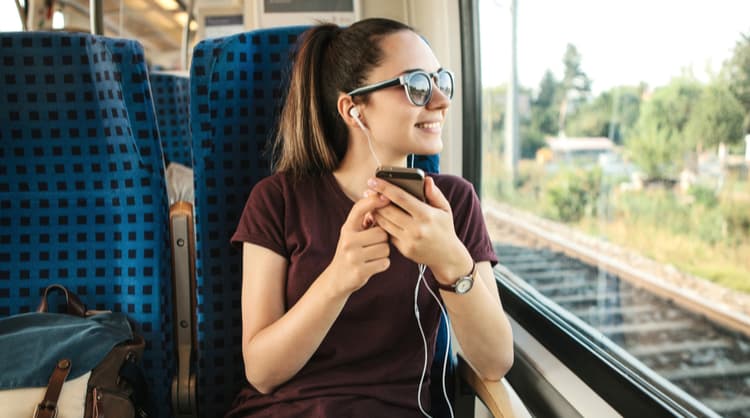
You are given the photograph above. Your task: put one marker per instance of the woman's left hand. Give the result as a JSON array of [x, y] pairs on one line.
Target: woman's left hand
[[423, 232]]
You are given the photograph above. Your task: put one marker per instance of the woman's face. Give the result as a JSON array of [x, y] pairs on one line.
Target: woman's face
[[398, 127]]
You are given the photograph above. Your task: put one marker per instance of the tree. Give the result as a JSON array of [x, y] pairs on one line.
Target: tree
[[737, 73], [658, 144], [543, 111], [717, 118], [574, 86], [612, 114]]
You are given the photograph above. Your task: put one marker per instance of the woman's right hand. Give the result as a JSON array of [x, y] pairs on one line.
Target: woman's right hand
[[363, 248]]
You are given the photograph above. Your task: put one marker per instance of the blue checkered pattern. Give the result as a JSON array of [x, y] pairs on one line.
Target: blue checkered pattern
[[82, 195], [236, 92], [171, 98], [237, 88]]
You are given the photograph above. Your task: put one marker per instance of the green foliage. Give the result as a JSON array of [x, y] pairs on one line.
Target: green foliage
[[703, 195], [574, 87], [543, 119], [658, 144], [737, 73], [717, 117], [737, 218], [531, 141], [572, 194], [612, 114]]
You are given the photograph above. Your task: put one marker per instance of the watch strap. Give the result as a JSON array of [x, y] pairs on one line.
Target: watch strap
[[452, 287]]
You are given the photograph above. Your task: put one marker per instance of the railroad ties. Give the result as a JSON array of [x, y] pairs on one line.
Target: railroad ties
[[706, 360]]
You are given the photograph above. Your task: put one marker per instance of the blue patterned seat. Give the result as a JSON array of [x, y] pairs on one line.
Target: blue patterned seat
[[235, 94], [82, 194], [237, 88], [171, 99]]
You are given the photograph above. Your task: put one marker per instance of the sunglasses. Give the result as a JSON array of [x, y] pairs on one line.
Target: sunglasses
[[417, 84]]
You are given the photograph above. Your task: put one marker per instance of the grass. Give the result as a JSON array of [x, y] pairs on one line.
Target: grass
[[655, 225], [722, 263]]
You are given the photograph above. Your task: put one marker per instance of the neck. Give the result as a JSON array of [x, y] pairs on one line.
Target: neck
[[358, 166]]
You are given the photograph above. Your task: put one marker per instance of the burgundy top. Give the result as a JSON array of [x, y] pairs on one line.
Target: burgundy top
[[370, 362]]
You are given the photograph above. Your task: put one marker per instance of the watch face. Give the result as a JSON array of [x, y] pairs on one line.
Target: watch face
[[464, 284]]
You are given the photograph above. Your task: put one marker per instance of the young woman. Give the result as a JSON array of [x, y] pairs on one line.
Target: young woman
[[331, 255]]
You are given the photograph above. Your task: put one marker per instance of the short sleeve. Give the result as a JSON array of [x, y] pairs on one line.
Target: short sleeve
[[468, 218], [262, 221]]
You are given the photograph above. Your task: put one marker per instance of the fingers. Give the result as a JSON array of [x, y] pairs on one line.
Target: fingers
[[395, 194], [358, 215], [376, 252], [434, 196]]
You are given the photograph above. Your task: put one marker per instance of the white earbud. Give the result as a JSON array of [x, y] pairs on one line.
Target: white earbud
[[354, 112]]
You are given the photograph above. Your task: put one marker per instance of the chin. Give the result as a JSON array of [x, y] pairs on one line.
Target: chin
[[432, 147]]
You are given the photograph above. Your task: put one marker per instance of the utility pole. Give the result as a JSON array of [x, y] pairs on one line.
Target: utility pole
[[512, 144]]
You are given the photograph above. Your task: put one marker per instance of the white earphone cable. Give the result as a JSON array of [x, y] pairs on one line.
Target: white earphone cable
[[422, 280], [369, 139]]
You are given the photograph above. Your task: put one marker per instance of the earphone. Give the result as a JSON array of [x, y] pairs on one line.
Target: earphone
[[354, 112], [421, 280]]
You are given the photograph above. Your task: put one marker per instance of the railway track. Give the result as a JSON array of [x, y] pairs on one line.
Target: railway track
[[708, 359]]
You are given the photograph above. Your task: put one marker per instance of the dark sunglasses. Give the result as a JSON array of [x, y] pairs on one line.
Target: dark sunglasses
[[417, 84]]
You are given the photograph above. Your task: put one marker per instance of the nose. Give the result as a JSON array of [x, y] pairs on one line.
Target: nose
[[439, 100]]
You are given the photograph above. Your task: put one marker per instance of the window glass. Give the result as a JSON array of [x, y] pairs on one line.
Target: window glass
[[10, 20], [633, 137]]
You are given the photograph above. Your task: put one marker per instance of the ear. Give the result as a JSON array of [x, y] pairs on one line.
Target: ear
[[344, 107]]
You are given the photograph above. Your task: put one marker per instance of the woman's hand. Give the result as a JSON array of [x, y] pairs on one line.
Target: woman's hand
[[422, 232], [363, 249]]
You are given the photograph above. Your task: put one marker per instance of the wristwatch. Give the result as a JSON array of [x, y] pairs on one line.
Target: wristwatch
[[463, 284]]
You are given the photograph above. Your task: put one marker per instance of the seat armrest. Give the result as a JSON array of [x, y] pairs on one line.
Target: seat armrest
[[182, 236], [498, 396]]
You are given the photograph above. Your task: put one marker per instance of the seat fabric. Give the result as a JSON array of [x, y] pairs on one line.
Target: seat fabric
[[172, 101], [82, 193]]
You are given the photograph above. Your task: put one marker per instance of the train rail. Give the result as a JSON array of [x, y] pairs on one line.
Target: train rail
[[700, 348]]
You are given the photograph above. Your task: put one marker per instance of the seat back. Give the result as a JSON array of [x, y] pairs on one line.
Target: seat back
[[236, 92], [82, 193], [237, 87], [172, 101]]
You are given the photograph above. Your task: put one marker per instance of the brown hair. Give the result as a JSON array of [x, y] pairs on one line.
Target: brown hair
[[312, 137]]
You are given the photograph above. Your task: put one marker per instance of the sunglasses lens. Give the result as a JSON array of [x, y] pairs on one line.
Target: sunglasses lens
[[419, 87], [445, 83]]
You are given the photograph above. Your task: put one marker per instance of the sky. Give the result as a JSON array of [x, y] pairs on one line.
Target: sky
[[620, 41]]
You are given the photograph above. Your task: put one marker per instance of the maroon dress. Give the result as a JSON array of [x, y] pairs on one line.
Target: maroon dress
[[370, 362]]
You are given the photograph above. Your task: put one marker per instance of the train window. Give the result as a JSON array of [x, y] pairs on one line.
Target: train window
[[615, 176], [10, 19]]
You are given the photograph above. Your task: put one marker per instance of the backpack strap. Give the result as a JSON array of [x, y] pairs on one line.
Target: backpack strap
[[73, 305], [48, 407]]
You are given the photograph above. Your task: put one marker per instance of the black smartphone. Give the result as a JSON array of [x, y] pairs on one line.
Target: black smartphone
[[409, 179]]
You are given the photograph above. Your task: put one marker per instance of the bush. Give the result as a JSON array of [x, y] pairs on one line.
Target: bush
[[704, 195], [737, 217], [573, 194]]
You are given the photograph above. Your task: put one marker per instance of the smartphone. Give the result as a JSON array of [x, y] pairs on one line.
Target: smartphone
[[409, 179]]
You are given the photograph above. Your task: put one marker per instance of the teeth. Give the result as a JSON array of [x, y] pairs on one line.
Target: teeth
[[431, 125]]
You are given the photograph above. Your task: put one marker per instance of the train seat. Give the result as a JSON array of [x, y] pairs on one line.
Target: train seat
[[171, 94], [237, 88], [82, 193]]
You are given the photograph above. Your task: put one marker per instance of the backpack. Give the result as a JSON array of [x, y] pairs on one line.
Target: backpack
[[74, 364]]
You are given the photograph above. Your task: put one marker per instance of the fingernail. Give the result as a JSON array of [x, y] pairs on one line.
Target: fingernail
[[372, 182], [367, 193]]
